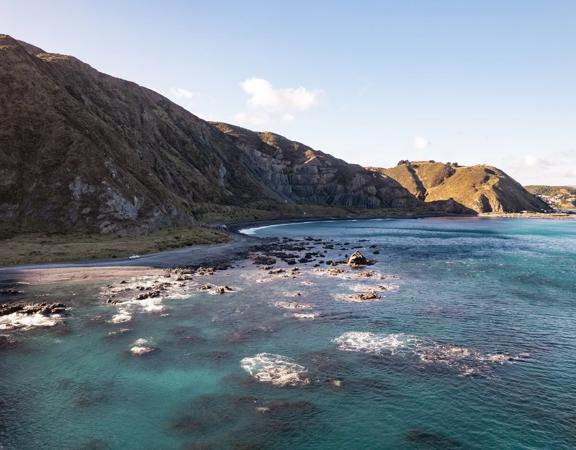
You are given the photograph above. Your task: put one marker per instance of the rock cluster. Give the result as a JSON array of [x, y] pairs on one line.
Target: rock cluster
[[45, 309]]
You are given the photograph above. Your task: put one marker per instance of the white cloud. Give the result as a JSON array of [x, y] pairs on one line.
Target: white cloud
[[267, 103], [557, 168], [179, 92], [421, 143]]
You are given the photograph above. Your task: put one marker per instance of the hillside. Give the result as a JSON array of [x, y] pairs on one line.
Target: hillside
[[84, 150], [480, 188], [303, 175], [558, 197]]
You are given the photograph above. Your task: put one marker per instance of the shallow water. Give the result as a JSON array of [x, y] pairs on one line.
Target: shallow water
[[472, 345]]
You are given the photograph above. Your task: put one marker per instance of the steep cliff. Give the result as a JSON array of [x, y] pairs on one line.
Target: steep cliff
[[303, 175], [480, 188]]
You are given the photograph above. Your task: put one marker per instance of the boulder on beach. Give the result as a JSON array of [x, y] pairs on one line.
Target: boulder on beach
[[357, 259]]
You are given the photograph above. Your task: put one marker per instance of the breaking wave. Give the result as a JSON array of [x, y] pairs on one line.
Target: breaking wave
[[141, 347], [275, 369], [366, 342], [27, 321], [466, 361]]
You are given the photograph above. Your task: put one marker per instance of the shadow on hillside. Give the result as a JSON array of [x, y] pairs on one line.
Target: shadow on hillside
[[451, 206]]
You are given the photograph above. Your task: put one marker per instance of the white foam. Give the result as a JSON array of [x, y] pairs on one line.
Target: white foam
[[275, 369], [305, 316], [292, 305], [466, 361], [380, 287], [27, 321], [252, 231], [141, 346], [151, 305], [366, 342], [348, 274], [123, 316]]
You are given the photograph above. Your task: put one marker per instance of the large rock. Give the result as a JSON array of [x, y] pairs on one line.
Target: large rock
[[357, 259]]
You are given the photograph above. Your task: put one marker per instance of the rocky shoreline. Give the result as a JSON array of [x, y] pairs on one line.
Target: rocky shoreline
[[295, 266]]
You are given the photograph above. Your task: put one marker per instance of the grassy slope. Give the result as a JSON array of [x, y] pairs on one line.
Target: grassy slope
[[29, 248], [60, 247], [482, 188]]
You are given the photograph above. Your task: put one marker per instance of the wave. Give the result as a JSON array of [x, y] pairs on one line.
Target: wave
[[27, 321], [305, 316], [123, 316], [466, 361], [275, 369], [293, 305], [366, 342], [141, 347]]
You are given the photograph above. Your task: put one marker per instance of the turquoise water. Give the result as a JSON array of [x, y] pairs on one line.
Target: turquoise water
[[490, 286]]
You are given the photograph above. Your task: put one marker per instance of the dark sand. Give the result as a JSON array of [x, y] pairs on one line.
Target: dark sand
[[150, 264]]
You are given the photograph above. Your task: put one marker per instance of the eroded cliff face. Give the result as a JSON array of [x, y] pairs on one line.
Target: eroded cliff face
[[82, 149], [480, 188], [300, 174]]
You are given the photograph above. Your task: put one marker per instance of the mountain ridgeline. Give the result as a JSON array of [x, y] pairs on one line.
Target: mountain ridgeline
[[82, 150], [480, 188]]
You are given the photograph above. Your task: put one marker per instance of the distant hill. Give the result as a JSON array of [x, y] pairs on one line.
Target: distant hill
[[82, 149], [479, 188], [558, 197]]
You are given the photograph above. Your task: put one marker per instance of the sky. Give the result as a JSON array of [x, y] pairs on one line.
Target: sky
[[371, 82]]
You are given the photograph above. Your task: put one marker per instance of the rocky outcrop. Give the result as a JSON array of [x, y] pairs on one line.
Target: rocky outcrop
[[46, 309], [456, 188], [303, 175], [84, 150], [357, 259]]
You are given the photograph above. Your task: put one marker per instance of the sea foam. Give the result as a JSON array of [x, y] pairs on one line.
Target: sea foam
[[27, 321], [141, 347], [466, 361], [366, 342], [275, 369]]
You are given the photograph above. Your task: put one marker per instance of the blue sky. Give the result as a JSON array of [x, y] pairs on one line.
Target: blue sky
[[371, 82]]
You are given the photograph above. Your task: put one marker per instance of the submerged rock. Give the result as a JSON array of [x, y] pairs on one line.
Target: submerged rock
[[432, 439], [367, 296], [10, 291]]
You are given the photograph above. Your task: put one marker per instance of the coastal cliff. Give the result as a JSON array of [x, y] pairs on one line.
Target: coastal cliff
[[481, 188], [303, 175], [84, 150]]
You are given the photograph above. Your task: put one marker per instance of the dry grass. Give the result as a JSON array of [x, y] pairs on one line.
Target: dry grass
[[60, 247]]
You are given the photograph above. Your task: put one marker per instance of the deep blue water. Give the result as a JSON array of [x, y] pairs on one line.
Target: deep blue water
[[411, 370]]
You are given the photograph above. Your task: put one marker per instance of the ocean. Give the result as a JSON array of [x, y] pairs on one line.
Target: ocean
[[465, 338]]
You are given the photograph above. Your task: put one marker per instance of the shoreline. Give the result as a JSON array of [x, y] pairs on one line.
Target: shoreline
[[201, 254], [150, 264], [236, 227]]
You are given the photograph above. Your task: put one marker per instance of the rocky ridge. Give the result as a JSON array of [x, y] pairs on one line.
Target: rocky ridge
[[480, 188]]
